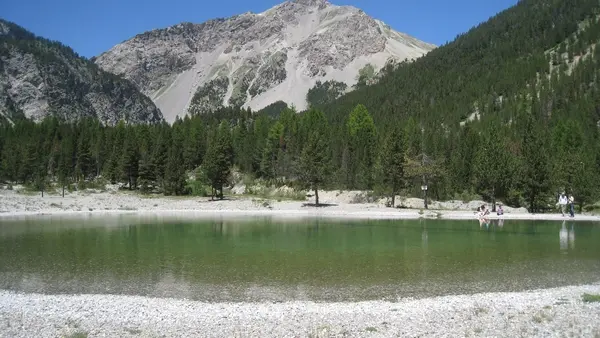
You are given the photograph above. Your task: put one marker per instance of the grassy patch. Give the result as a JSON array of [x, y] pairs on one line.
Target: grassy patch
[[541, 317], [135, 332], [275, 193], [77, 334], [320, 332], [589, 298], [480, 310]]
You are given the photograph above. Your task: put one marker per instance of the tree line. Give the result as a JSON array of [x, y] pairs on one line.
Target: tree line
[[524, 164], [508, 111]]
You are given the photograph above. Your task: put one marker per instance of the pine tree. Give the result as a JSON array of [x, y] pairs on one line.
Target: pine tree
[[536, 172], [392, 161], [147, 172], [315, 163], [129, 164], [41, 177], [174, 181], [160, 155], [270, 156], [84, 167], [491, 170], [219, 159], [362, 138], [65, 163], [11, 156]]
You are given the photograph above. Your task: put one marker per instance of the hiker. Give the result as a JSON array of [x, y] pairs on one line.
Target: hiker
[[562, 203], [572, 205]]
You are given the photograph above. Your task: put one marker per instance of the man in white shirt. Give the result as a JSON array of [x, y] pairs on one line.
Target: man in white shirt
[[562, 203]]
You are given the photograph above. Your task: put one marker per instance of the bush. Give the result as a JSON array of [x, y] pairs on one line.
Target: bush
[[515, 198], [467, 196], [97, 184], [588, 298]]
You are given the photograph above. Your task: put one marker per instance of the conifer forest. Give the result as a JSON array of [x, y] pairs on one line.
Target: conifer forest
[[509, 111]]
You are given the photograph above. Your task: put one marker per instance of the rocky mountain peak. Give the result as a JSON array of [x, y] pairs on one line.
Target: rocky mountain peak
[[253, 60], [321, 4]]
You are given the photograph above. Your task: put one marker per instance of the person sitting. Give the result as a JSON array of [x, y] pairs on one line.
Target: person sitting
[[500, 211], [483, 211]]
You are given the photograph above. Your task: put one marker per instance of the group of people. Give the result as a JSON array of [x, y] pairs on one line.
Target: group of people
[[563, 201], [483, 211]]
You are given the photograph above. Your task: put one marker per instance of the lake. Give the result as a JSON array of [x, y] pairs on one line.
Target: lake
[[276, 259]]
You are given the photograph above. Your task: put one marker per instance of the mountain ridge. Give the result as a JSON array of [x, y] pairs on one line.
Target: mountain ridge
[[40, 77], [252, 60]]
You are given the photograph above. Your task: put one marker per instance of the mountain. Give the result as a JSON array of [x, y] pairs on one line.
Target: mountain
[[39, 77], [253, 60], [484, 73]]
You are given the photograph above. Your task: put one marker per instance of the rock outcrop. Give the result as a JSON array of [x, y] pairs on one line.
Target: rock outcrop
[[39, 77], [252, 60]]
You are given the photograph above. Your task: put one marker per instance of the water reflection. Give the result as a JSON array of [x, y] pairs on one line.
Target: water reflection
[[490, 224], [567, 236], [572, 236]]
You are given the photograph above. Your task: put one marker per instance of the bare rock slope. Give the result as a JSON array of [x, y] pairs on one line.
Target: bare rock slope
[[252, 60], [39, 77]]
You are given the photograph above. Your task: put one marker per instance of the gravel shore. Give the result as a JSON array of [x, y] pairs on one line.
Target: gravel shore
[[549, 313], [338, 204]]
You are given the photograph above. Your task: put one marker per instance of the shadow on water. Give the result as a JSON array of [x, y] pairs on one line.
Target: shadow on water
[[321, 205]]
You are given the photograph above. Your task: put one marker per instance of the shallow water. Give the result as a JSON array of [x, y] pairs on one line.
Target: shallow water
[[262, 258]]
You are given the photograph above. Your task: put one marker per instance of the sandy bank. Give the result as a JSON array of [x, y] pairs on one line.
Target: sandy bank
[[13, 204], [550, 313]]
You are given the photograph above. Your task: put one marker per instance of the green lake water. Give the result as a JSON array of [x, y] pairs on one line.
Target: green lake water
[[261, 258]]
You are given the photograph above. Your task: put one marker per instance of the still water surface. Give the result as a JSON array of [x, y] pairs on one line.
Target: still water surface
[[252, 259]]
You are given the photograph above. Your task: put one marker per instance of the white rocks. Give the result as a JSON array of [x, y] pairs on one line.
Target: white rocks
[[551, 313]]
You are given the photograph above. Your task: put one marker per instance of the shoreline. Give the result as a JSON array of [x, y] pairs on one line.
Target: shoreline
[[408, 214], [341, 205], [556, 312]]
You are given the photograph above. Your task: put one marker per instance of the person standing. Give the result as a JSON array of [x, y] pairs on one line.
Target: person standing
[[572, 205], [562, 203]]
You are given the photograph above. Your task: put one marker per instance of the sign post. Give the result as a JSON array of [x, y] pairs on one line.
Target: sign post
[[424, 189]]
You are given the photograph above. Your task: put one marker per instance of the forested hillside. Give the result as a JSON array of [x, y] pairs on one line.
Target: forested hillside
[[510, 110]]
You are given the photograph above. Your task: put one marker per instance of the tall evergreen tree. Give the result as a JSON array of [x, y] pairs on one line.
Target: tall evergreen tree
[[65, 163], [362, 138], [129, 164], [218, 160], [315, 163], [392, 161], [491, 167], [174, 179], [536, 177]]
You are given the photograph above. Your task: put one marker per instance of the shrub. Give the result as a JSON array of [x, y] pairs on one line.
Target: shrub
[[589, 298]]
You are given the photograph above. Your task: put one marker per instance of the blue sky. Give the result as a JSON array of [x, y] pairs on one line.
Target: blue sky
[[91, 26]]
